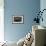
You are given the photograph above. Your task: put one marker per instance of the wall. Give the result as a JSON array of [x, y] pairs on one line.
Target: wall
[[28, 8], [43, 6], [1, 20]]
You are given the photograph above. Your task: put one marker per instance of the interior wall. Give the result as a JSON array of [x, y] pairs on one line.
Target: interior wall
[[28, 8], [1, 20], [43, 6]]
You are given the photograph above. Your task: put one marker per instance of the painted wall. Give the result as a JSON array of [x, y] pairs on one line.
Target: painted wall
[[43, 6], [28, 8], [1, 20]]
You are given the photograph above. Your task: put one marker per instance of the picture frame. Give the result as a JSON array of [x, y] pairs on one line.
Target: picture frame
[[17, 19]]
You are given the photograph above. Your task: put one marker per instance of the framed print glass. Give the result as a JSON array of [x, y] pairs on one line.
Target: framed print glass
[[17, 19]]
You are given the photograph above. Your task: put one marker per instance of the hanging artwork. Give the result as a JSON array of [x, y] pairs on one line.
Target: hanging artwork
[[18, 19]]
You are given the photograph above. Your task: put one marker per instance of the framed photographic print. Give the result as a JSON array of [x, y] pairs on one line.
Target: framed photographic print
[[18, 19]]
